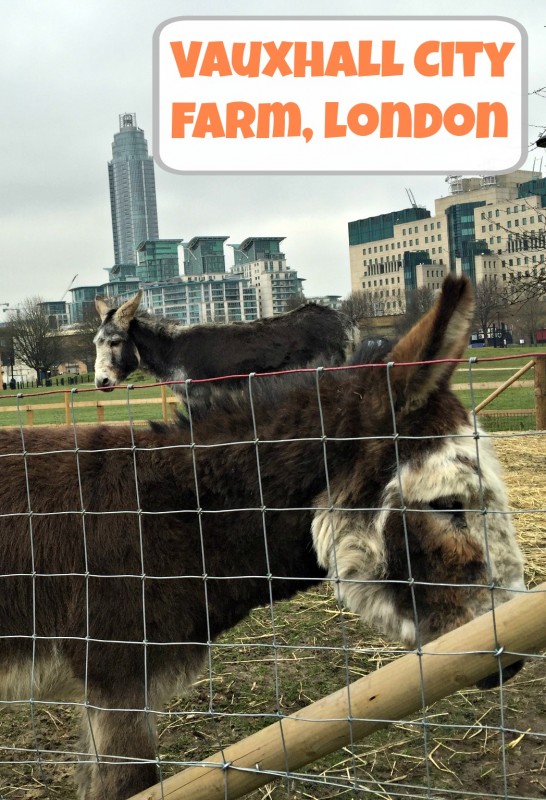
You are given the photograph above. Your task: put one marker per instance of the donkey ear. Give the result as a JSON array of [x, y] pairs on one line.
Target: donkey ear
[[442, 333], [127, 311], [102, 307]]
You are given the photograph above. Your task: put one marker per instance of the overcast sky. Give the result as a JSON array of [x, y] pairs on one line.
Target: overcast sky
[[70, 68]]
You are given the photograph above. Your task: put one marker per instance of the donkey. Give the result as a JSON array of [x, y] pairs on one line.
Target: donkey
[[128, 338], [149, 543]]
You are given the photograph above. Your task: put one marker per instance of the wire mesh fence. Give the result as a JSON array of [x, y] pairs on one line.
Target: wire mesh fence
[[132, 554]]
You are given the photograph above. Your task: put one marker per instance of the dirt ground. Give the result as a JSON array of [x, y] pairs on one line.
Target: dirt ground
[[472, 744]]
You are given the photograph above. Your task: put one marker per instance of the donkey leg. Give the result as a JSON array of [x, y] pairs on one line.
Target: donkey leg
[[112, 740]]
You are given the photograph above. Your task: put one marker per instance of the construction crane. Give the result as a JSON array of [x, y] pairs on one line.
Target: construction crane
[[411, 198], [69, 286]]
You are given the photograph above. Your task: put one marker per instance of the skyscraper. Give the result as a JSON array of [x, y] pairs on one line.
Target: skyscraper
[[132, 191]]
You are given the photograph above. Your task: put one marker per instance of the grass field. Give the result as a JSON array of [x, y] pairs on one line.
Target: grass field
[[52, 402]]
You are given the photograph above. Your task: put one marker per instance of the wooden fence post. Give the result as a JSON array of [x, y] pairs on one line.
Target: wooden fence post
[[455, 660], [67, 414], [164, 403], [540, 392]]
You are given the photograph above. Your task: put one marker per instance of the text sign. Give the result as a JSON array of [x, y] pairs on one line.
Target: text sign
[[340, 95]]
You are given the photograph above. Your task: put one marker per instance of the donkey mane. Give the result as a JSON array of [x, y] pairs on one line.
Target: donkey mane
[[227, 395]]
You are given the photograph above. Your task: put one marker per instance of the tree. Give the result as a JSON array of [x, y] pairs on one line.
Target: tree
[[489, 299], [527, 280], [419, 301], [35, 344], [527, 317], [77, 341], [295, 301], [361, 308]]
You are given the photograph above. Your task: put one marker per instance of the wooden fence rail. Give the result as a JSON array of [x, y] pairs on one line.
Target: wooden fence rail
[[165, 401], [168, 399]]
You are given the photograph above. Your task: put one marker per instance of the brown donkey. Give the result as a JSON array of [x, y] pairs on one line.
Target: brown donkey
[[124, 552]]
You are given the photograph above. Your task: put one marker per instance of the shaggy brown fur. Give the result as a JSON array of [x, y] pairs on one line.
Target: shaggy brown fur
[[123, 550]]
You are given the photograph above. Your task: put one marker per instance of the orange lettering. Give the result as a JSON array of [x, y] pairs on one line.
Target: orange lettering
[[420, 59], [341, 60], [447, 50], [215, 60], [372, 119], [365, 64], [500, 125], [277, 60], [239, 117], [279, 113], [301, 61], [459, 128], [252, 66], [208, 121], [388, 110], [390, 67], [331, 127], [469, 50], [186, 63], [427, 120], [182, 115], [498, 57]]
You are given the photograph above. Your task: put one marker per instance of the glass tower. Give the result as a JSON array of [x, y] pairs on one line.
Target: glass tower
[[132, 191]]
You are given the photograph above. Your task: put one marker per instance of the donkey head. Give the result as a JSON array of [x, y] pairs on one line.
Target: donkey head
[[116, 354], [440, 548]]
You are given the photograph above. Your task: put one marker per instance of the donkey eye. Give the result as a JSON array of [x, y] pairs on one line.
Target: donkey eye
[[115, 342], [449, 505]]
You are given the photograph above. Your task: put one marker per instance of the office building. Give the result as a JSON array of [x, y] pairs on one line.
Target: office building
[[488, 227], [132, 191]]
